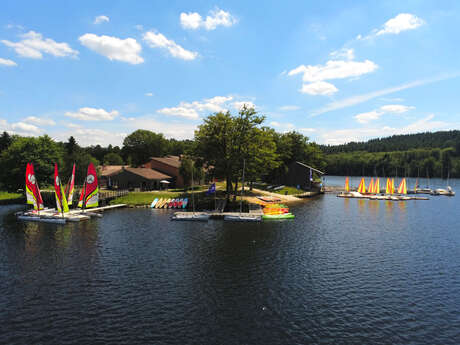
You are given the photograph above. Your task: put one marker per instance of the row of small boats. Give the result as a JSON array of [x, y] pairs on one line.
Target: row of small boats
[[277, 211], [169, 203]]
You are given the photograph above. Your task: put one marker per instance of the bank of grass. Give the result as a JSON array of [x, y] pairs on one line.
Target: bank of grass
[[288, 191], [9, 196]]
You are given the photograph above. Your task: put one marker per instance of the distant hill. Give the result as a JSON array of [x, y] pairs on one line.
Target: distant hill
[[424, 154], [427, 140]]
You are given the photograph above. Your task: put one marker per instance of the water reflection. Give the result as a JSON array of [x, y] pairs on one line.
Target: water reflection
[[343, 269]]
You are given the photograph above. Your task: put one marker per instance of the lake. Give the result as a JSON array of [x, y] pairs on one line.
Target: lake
[[344, 271]]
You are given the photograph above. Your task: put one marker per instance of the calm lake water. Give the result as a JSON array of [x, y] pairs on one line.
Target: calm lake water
[[345, 271]]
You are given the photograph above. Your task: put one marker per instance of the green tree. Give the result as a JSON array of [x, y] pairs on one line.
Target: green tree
[[185, 170], [113, 159], [5, 141], [143, 144], [43, 152], [224, 141]]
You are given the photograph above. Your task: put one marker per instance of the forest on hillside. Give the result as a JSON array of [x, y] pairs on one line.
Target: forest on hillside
[[414, 155], [427, 140]]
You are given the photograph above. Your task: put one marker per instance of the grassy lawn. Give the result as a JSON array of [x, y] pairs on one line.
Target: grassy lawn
[[289, 190], [9, 196]]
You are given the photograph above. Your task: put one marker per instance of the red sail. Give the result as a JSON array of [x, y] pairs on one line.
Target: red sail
[[91, 190], [32, 191]]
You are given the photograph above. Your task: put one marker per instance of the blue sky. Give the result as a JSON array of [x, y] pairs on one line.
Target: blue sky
[[335, 71]]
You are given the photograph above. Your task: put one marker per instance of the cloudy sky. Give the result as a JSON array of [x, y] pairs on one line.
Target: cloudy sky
[[334, 70]]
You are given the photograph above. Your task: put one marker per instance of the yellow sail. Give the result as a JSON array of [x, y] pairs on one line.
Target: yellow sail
[[402, 189], [377, 186], [371, 186], [388, 187], [392, 186], [347, 184], [362, 186]]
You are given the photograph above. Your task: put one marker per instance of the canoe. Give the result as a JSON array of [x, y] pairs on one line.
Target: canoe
[[152, 205]]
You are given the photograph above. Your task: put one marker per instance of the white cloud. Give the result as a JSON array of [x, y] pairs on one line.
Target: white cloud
[[396, 108], [188, 113], [348, 102], [7, 62], [193, 110], [319, 88], [307, 130], [148, 94], [285, 126], [345, 53], [101, 19], [40, 121], [314, 76], [93, 114], [193, 20], [289, 108], [376, 114], [26, 128], [90, 136], [240, 104], [369, 116], [171, 129], [33, 46], [402, 22], [157, 40], [114, 48], [361, 134], [334, 69]]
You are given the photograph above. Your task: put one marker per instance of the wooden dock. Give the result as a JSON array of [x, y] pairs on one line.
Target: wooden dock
[[221, 215]]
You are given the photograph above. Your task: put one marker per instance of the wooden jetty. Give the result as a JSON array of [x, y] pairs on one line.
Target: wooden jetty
[[254, 212]]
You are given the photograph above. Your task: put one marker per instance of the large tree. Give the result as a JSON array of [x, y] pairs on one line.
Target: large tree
[[43, 152], [224, 141], [142, 144]]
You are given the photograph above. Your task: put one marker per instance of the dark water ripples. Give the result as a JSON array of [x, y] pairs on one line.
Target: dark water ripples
[[344, 271]]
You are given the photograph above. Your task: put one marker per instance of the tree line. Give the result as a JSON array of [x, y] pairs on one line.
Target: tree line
[[427, 140], [221, 145], [422, 155]]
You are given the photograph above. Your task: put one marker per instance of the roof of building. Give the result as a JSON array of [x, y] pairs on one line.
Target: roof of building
[[107, 170], [309, 167], [146, 173], [173, 161]]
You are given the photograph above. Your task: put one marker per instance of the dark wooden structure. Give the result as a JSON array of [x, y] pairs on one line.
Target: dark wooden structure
[[137, 178], [167, 165], [298, 175]]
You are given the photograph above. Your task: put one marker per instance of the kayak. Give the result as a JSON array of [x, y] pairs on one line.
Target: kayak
[[278, 216], [184, 203], [154, 202]]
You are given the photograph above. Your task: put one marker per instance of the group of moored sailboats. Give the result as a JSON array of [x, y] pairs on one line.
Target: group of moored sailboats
[[89, 197], [374, 191]]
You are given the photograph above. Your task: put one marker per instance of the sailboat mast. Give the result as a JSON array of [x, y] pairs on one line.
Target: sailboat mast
[[242, 186], [193, 199]]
